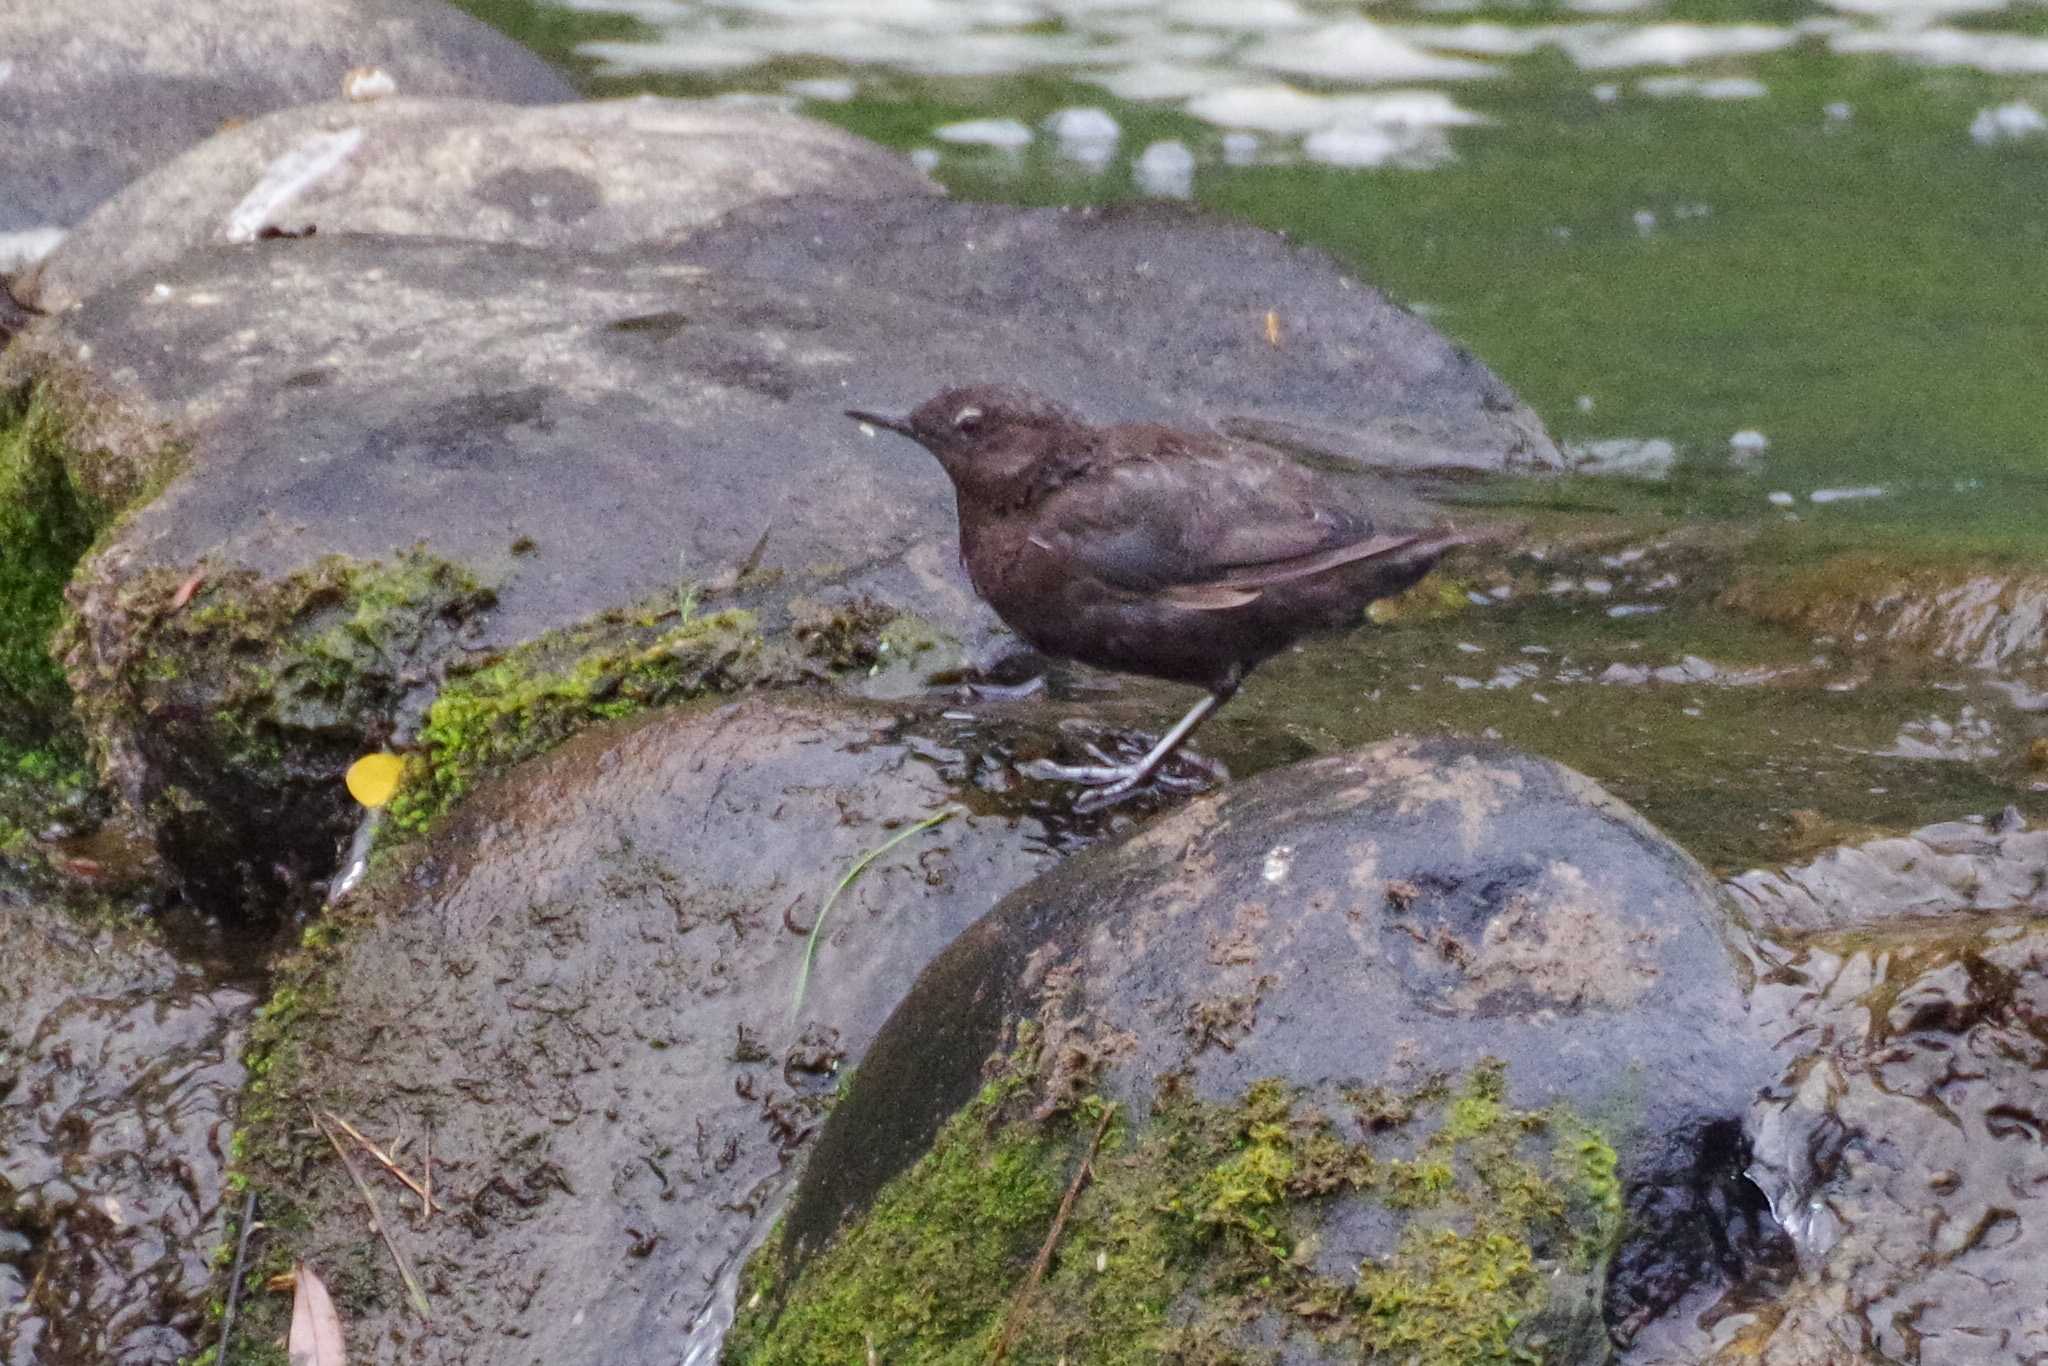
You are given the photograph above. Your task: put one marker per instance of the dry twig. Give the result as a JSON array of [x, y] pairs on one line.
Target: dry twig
[[412, 1283], [1015, 1319], [373, 1150]]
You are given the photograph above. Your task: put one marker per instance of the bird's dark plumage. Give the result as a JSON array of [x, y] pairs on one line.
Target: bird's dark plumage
[[1151, 550]]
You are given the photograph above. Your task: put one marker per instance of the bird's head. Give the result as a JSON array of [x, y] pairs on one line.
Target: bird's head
[[984, 435]]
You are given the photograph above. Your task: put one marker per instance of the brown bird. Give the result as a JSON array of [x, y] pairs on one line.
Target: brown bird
[[1150, 550]]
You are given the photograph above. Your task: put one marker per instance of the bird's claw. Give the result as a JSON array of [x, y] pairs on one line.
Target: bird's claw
[[1110, 782], [1107, 783]]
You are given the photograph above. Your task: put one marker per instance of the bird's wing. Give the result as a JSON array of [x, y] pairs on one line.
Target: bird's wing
[[1206, 528]]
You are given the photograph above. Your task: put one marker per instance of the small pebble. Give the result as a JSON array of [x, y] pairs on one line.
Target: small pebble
[[1166, 170]]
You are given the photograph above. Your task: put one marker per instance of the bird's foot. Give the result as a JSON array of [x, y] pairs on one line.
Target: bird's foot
[[1111, 781]]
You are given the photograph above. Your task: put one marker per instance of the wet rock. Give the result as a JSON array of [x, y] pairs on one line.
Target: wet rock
[[1903, 1148], [470, 169], [1431, 959], [119, 1069], [586, 985], [1951, 869], [404, 458], [95, 94]]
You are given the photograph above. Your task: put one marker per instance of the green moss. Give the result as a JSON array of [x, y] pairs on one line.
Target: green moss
[[57, 497], [46, 524], [933, 1260], [1450, 1297], [530, 701], [290, 673], [1204, 1220], [260, 692]]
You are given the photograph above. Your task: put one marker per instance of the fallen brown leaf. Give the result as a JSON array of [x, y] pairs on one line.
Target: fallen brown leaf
[[315, 1338]]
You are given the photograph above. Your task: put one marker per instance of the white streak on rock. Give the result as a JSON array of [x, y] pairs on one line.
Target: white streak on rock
[[288, 177]]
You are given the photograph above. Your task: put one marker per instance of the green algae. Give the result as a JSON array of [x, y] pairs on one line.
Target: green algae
[[1782, 744], [556, 32], [1201, 1220]]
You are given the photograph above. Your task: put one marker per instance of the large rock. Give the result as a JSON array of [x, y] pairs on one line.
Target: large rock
[[1392, 1038], [466, 168], [119, 1068], [587, 985], [403, 457]]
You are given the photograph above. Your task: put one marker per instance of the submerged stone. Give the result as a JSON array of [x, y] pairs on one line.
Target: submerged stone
[[1990, 620], [1902, 1148], [1367, 963], [1941, 871]]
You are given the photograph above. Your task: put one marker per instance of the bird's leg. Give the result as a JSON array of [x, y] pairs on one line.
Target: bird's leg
[[1113, 782]]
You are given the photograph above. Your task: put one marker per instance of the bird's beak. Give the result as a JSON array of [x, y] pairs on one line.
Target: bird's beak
[[894, 424]]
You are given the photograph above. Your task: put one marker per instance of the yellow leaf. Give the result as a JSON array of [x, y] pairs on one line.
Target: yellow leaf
[[374, 777]]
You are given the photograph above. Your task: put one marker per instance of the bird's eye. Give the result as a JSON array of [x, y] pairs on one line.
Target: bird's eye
[[968, 421]]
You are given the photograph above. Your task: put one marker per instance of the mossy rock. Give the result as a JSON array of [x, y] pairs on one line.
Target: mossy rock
[[1416, 1021], [1214, 1232], [408, 460]]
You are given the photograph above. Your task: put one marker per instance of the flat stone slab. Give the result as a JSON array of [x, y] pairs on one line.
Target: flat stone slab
[[597, 175], [95, 94]]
